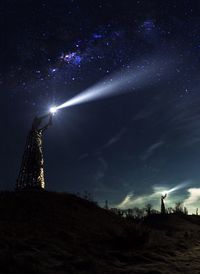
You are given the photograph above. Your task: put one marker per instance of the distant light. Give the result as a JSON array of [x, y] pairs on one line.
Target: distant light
[[53, 109]]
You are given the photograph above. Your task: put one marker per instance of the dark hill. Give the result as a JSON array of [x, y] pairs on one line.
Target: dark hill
[[45, 232]]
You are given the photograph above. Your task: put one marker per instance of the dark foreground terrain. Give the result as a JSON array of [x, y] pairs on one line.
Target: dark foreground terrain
[[61, 233]]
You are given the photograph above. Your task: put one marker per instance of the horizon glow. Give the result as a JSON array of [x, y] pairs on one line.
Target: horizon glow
[[131, 200]]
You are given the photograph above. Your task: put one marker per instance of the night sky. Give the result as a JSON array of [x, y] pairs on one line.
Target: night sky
[[126, 148]]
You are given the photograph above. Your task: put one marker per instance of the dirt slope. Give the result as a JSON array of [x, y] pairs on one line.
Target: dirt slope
[[61, 233]]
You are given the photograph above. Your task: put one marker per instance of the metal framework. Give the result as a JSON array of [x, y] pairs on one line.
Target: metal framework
[[31, 175]]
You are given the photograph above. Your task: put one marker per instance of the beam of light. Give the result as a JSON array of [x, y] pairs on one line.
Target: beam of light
[[180, 186], [124, 81]]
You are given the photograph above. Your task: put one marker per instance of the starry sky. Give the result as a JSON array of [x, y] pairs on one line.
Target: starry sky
[[126, 148]]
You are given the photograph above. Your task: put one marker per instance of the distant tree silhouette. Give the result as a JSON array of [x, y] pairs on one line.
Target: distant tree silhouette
[[87, 196], [128, 213], [148, 208], [120, 212], [139, 212], [154, 211], [169, 210], [117, 211], [185, 211], [179, 208]]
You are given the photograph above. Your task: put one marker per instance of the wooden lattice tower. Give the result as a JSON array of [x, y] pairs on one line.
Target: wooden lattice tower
[[31, 175]]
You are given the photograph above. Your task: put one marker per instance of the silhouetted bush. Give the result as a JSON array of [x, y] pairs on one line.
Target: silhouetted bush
[[148, 208]]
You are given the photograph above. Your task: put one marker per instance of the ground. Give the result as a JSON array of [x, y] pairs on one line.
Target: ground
[[57, 233]]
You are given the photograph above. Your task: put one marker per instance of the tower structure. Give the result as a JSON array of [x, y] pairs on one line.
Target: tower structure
[[31, 174]]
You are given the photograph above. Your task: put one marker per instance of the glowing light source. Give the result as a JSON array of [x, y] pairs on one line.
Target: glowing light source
[[53, 110]]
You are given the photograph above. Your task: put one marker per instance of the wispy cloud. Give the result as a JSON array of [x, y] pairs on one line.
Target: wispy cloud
[[180, 115], [83, 156], [150, 151], [114, 139], [184, 117]]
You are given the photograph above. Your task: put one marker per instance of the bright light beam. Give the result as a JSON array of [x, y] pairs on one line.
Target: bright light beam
[[180, 186], [122, 82]]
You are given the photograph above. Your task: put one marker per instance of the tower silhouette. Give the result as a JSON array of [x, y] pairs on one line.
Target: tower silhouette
[[163, 211], [31, 175]]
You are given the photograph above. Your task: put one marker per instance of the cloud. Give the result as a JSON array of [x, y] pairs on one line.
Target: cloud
[[180, 116], [83, 156], [152, 149], [193, 201], [184, 117], [114, 139], [131, 200]]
